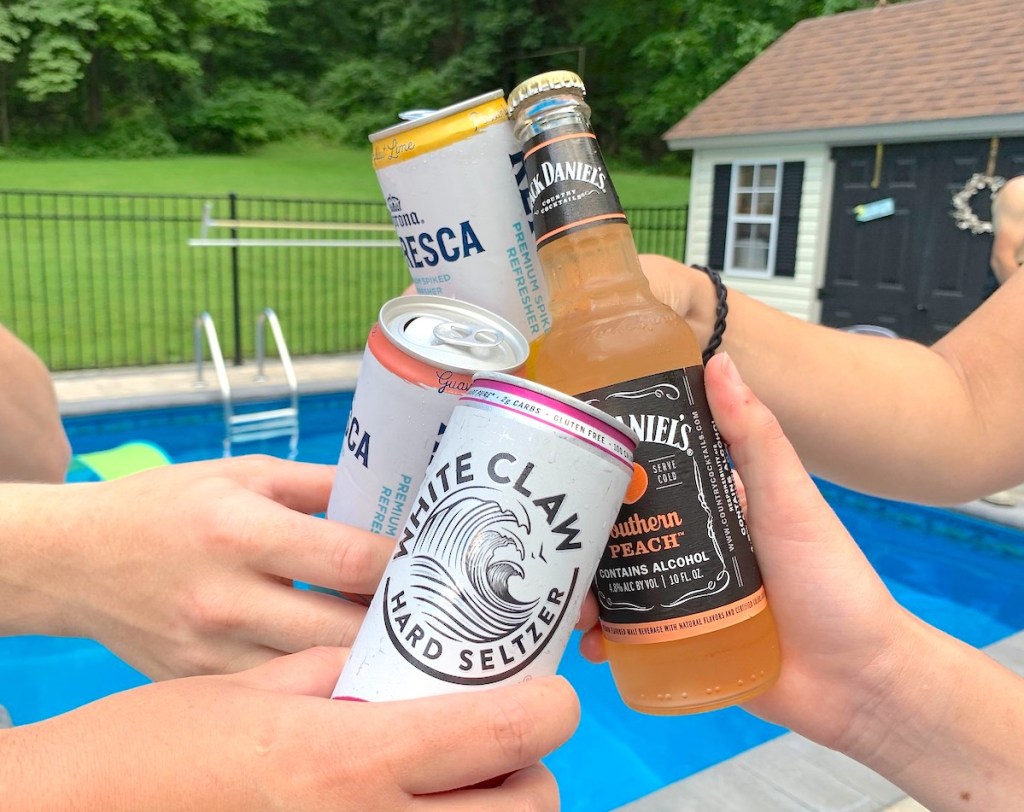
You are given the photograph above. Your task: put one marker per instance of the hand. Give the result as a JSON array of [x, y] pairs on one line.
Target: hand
[[689, 292], [268, 739], [838, 624], [860, 674], [188, 569], [840, 630]]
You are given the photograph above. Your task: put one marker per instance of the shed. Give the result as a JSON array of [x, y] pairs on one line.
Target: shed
[[846, 174]]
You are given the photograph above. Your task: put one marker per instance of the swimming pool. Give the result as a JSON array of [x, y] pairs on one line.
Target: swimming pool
[[957, 572]]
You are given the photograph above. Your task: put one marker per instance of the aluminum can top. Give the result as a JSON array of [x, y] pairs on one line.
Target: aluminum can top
[[452, 334], [431, 116]]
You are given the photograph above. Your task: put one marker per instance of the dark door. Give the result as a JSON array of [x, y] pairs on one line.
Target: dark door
[[914, 271]]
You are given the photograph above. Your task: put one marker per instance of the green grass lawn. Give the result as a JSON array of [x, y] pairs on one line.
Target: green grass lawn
[[103, 281], [307, 168]]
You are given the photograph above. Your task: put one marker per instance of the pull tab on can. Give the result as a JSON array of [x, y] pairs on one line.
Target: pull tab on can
[[470, 336], [453, 335]]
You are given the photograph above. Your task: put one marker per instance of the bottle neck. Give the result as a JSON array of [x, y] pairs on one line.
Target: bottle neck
[[584, 242], [568, 185], [550, 112]]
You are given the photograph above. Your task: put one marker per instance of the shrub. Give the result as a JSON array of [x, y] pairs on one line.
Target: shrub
[[130, 132], [241, 114]]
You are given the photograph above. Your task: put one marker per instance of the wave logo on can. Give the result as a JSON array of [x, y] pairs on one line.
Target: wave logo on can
[[469, 596]]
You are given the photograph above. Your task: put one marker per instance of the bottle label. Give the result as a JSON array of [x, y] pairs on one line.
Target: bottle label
[[569, 186], [679, 561]]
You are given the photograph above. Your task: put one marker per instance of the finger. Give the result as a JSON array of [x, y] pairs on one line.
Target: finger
[[476, 735], [588, 612], [319, 551], [741, 491], [244, 657], [659, 277], [775, 480], [533, 788], [592, 645], [797, 537], [301, 486], [313, 672], [291, 620]]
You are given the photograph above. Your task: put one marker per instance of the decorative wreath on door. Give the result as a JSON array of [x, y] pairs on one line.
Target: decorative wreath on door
[[965, 217]]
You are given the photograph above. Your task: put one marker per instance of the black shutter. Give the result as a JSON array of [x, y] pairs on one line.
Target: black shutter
[[789, 218], [719, 216]]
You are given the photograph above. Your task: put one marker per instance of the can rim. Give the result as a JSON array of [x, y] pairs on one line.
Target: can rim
[[424, 305], [627, 435], [436, 115]]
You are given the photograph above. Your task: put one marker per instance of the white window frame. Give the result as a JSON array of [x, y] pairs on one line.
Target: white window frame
[[735, 219]]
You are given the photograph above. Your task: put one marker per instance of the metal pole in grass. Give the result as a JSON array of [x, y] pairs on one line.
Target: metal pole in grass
[[236, 294]]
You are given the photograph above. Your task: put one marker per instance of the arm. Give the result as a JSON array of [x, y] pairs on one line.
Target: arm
[[935, 424], [933, 715], [33, 446], [1008, 227], [188, 568], [269, 739]]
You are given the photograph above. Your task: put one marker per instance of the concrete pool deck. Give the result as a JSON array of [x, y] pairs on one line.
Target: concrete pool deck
[[91, 391], [786, 774]]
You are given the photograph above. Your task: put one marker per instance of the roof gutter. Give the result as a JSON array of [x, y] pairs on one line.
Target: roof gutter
[[889, 133]]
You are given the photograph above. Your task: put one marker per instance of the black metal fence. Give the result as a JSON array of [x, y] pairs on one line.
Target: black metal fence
[[94, 280]]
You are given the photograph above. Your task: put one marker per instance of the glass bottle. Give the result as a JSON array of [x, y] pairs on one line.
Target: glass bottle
[[686, 624]]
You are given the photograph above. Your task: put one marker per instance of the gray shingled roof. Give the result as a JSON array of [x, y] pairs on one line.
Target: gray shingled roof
[[906, 70]]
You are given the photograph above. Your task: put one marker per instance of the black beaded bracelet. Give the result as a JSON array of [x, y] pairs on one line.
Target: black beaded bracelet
[[721, 311]]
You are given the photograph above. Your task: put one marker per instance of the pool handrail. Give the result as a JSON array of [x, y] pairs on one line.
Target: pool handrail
[[259, 425], [269, 316], [204, 323]]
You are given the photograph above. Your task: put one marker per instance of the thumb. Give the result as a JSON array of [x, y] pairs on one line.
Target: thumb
[[797, 537], [312, 672], [663, 275], [783, 501]]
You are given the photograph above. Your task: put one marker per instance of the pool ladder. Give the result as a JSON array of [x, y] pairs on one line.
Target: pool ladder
[[246, 427]]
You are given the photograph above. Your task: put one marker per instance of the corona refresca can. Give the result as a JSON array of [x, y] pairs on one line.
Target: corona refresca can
[[500, 548], [455, 186], [419, 359]]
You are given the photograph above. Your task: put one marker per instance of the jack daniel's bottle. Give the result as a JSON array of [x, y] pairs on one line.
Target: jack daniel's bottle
[[687, 627]]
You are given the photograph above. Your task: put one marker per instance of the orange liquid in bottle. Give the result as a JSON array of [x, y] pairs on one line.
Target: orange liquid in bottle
[[608, 329]]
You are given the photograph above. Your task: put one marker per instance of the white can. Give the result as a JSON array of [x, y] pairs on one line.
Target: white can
[[419, 359], [491, 569], [455, 185]]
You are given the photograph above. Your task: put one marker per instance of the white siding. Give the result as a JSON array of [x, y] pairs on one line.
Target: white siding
[[795, 295]]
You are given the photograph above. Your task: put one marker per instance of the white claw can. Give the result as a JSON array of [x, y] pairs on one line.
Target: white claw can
[[505, 536], [420, 358], [455, 186]]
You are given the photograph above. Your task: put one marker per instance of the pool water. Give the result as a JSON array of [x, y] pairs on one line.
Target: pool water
[[957, 572]]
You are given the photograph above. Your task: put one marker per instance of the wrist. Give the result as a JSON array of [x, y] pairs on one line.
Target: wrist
[[906, 700], [719, 311], [34, 559], [702, 306]]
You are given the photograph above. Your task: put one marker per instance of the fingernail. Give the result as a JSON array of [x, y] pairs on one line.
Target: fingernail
[[732, 375]]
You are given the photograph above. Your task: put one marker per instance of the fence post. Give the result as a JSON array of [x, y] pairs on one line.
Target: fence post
[[235, 292]]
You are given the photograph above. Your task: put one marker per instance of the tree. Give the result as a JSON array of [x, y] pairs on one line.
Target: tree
[[424, 54], [199, 69], [130, 45], [12, 33], [688, 50]]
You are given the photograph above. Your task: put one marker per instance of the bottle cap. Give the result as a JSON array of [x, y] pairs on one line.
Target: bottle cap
[[549, 82]]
